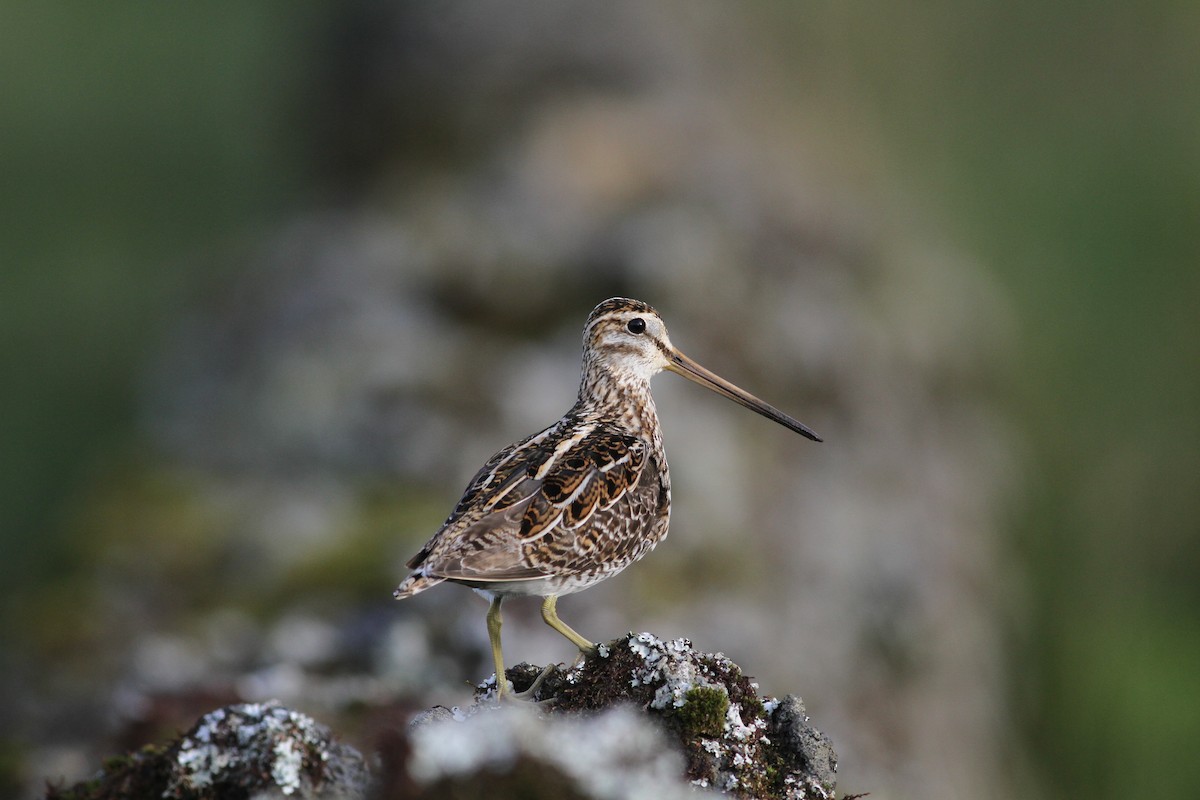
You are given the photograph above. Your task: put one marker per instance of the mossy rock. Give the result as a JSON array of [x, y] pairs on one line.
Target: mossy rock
[[703, 713]]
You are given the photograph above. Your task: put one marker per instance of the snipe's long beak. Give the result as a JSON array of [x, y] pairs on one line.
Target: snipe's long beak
[[682, 365]]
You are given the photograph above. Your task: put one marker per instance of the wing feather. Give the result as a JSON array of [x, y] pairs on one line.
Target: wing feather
[[542, 507]]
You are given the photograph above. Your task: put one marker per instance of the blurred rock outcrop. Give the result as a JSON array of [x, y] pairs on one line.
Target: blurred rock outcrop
[[732, 739], [503, 170], [249, 750], [641, 718]]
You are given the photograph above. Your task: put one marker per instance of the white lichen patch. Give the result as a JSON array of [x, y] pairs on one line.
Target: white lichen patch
[[739, 730], [673, 666], [240, 746], [286, 765]]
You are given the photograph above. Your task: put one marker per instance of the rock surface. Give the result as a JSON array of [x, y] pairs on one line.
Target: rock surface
[[640, 718], [259, 750], [732, 739], [520, 751]]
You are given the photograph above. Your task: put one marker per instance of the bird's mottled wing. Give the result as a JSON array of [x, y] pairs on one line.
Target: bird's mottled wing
[[617, 508], [491, 484], [532, 514]]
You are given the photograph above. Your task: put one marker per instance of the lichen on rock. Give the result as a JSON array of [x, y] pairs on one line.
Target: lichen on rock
[[732, 739], [260, 750], [642, 717]]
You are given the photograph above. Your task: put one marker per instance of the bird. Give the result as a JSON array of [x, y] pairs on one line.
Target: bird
[[581, 500]]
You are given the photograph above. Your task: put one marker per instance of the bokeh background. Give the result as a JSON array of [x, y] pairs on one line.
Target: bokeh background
[[278, 277]]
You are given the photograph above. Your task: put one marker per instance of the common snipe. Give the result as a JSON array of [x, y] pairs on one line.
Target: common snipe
[[583, 499]]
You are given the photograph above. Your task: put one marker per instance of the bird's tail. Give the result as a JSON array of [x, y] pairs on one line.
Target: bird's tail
[[417, 582]]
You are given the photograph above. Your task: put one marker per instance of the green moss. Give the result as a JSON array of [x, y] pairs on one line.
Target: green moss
[[703, 712]]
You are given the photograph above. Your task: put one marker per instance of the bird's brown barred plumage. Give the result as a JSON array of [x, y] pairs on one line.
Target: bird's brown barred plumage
[[558, 511], [586, 497]]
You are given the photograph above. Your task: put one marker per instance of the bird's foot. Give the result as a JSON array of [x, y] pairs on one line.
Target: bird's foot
[[529, 695]]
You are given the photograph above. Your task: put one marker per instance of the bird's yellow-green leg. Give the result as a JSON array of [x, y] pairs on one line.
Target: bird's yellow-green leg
[[551, 618], [493, 626]]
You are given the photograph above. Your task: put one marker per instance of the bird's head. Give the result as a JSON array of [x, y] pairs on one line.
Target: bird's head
[[627, 341]]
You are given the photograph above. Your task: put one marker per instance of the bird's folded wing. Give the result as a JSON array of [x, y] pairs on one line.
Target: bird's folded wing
[[531, 508]]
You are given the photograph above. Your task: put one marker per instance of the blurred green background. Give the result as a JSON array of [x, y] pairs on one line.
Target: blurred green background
[[134, 139], [1059, 145]]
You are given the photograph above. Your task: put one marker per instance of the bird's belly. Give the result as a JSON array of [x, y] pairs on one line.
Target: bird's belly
[[540, 587], [569, 582]]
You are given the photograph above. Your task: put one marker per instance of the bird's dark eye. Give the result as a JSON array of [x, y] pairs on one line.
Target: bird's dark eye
[[636, 325]]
